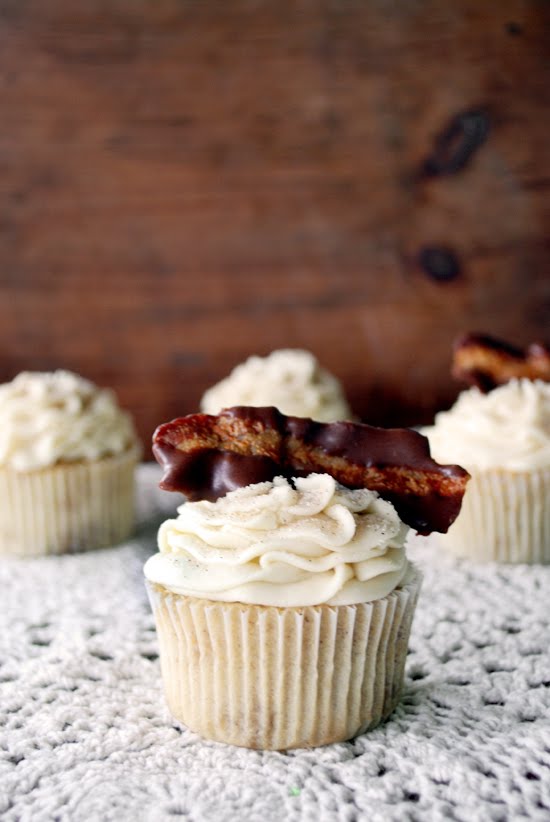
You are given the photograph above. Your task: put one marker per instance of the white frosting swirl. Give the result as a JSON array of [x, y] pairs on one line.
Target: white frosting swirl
[[290, 379], [46, 418], [272, 544], [507, 428]]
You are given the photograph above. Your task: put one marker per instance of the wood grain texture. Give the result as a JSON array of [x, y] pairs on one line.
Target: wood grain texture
[[183, 184]]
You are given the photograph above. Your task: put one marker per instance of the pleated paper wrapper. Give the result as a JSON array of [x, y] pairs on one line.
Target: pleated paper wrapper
[[278, 678], [505, 517], [69, 507]]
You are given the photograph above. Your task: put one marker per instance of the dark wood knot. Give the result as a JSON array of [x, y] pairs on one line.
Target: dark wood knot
[[456, 144], [440, 264]]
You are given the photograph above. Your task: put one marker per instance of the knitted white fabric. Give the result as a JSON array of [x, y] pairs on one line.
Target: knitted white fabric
[[85, 734]]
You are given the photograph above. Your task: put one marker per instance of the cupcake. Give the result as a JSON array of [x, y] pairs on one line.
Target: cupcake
[[67, 460], [502, 437], [283, 598], [290, 379]]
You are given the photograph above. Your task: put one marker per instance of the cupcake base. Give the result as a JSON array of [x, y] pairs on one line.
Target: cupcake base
[[278, 678], [68, 507], [505, 517]]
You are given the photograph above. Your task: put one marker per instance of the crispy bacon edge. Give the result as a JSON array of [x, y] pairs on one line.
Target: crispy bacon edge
[[487, 362]]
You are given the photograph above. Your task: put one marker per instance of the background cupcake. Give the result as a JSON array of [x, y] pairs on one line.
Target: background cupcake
[[289, 379], [503, 439], [67, 460]]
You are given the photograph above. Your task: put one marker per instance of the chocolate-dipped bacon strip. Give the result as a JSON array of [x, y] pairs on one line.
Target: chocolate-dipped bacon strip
[[205, 457], [487, 362]]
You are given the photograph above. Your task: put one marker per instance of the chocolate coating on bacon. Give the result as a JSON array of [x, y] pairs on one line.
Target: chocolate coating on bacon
[[205, 457], [487, 362]]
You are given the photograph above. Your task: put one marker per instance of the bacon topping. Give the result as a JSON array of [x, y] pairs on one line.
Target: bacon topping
[[487, 362], [205, 457]]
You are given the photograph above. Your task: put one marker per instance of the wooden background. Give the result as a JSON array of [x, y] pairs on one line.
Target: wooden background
[[185, 183]]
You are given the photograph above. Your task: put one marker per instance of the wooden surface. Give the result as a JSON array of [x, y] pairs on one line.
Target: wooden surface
[[183, 184]]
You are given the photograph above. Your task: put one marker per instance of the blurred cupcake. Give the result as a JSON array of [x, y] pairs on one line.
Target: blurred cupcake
[[284, 607], [67, 460], [289, 379], [503, 439]]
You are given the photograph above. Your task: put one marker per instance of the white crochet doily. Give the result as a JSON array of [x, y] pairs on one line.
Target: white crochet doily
[[85, 734]]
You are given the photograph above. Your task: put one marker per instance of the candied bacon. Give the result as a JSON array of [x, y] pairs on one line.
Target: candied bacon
[[205, 457], [488, 362]]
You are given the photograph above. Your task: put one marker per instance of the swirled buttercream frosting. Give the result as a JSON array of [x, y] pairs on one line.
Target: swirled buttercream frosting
[[283, 544], [48, 418], [290, 379], [508, 428]]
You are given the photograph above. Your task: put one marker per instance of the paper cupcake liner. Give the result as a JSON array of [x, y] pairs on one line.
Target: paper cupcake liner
[[278, 678], [68, 507], [505, 517]]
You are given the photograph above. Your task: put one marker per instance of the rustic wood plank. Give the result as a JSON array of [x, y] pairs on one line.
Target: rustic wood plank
[[183, 184]]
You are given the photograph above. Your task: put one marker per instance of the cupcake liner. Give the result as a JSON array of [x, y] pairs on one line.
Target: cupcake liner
[[68, 507], [277, 678], [505, 517]]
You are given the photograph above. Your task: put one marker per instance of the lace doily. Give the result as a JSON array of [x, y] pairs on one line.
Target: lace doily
[[85, 734]]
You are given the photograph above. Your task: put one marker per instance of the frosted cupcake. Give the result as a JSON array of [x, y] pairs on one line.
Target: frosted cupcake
[[67, 460], [503, 439], [283, 606], [290, 379]]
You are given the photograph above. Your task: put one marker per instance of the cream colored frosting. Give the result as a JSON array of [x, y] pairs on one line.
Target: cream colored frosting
[[46, 418], [290, 379], [275, 544], [507, 428]]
